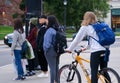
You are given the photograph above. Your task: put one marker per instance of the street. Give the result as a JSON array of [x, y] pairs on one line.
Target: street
[[5, 57]]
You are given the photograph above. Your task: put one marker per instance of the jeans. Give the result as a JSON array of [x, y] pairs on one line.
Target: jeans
[[18, 63], [51, 57], [96, 60]]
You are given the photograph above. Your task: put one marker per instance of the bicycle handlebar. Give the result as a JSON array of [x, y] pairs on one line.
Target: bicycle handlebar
[[78, 51]]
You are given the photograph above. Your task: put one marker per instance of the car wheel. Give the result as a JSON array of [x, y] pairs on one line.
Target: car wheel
[[9, 45]]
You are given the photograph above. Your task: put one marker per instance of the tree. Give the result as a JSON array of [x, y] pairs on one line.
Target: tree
[[76, 9]]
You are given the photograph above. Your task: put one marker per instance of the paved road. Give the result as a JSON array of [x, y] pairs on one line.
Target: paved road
[[5, 57]]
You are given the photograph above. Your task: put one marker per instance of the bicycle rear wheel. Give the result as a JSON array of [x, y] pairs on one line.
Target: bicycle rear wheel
[[108, 75], [69, 74]]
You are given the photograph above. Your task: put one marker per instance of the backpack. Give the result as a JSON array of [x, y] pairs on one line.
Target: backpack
[[105, 34], [24, 49], [60, 41]]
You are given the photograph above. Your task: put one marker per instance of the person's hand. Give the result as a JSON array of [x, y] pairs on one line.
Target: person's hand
[[68, 51], [83, 49]]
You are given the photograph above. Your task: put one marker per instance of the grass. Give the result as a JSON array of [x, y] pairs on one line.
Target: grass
[[117, 33], [70, 32], [69, 35], [5, 30]]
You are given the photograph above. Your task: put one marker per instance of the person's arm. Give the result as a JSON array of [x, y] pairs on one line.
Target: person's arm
[[79, 37], [15, 39], [48, 38]]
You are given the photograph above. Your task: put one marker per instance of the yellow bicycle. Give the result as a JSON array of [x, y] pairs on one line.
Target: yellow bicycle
[[69, 73]]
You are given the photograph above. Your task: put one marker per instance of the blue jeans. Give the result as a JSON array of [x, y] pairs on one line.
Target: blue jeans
[[51, 57], [18, 63]]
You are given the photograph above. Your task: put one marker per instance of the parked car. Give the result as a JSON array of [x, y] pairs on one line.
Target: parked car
[[8, 39], [74, 35]]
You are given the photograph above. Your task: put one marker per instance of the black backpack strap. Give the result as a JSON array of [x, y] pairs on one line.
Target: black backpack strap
[[92, 38], [106, 47]]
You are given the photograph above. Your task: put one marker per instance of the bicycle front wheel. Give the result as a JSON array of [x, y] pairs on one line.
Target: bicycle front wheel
[[69, 74], [108, 75]]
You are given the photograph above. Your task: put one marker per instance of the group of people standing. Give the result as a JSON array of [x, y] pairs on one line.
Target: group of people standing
[[41, 36], [43, 39]]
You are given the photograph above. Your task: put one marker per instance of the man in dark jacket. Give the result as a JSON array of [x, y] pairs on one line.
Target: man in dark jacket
[[41, 58]]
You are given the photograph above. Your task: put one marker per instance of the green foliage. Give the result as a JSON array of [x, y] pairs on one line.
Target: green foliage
[[22, 5], [75, 9], [15, 15]]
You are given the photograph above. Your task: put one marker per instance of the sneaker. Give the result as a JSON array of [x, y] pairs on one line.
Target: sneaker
[[23, 77], [20, 78], [43, 75], [30, 73]]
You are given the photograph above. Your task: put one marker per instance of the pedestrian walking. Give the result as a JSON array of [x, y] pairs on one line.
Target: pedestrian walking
[[48, 46], [18, 39], [97, 51], [40, 37]]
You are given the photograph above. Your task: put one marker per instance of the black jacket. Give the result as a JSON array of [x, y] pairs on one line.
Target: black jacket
[[40, 37]]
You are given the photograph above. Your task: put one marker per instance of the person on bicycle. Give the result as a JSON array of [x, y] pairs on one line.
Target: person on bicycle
[[97, 51]]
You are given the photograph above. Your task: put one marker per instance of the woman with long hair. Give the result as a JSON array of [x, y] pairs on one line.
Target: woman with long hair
[[18, 39], [48, 46], [96, 49]]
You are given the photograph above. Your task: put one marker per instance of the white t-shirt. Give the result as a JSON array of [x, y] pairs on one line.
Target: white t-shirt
[[83, 31]]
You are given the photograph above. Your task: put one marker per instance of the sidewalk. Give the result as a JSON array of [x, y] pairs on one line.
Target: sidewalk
[[1, 42], [7, 74]]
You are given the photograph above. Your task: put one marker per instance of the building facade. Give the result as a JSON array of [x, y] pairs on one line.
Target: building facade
[[113, 17]]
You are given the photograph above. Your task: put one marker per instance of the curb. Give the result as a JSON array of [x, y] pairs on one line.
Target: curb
[[1, 42]]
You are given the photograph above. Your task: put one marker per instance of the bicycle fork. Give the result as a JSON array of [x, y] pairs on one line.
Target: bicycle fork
[[71, 74]]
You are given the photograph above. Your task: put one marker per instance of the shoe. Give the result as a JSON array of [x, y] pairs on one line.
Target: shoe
[[23, 77], [43, 75], [20, 78], [30, 73]]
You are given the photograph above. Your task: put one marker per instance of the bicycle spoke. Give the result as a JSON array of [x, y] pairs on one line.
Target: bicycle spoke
[[68, 76]]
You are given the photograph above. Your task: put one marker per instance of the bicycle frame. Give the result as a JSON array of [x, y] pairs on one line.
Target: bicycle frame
[[79, 59]]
